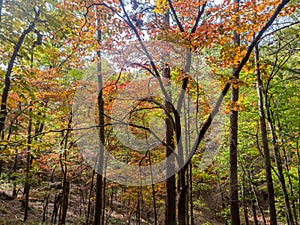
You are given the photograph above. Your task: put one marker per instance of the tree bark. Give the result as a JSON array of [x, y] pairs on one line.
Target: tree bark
[[170, 217], [266, 150], [3, 109], [245, 201], [153, 193], [278, 162], [293, 198], [100, 160], [88, 217], [28, 165], [254, 213], [66, 182], [65, 201], [182, 183], [233, 145]]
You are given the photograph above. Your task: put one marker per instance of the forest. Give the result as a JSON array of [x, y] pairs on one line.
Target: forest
[[150, 112]]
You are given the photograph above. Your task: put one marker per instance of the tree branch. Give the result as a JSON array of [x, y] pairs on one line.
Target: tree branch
[[216, 108]]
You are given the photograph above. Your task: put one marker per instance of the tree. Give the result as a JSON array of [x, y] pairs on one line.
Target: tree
[[31, 26], [100, 161], [39, 128], [234, 201], [281, 58], [263, 128], [181, 30]]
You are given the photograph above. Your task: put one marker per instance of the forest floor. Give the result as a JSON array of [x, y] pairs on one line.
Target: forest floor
[[12, 211]]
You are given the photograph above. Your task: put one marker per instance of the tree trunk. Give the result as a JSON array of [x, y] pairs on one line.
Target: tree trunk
[[3, 109], [234, 195], [28, 160], [254, 213], [46, 200], [56, 206], [66, 183], [65, 201], [294, 207], [245, 201], [234, 199], [278, 162], [191, 194], [14, 193], [182, 198], [170, 217], [153, 192], [288, 175], [100, 160], [266, 150], [88, 217], [182, 183]]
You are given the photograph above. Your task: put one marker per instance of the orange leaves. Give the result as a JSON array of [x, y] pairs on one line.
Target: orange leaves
[[239, 105], [250, 18], [248, 4], [290, 9], [236, 83]]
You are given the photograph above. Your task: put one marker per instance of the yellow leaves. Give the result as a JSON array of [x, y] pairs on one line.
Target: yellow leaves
[[230, 54], [161, 6], [234, 17], [234, 83], [236, 106], [250, 18]]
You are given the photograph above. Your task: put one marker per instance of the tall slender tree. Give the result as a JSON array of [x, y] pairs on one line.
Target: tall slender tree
[[100, 160], [170, 146], [234, 199], [3, 109], [266, 149]]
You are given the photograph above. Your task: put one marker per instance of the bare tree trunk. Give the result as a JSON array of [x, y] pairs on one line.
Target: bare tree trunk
[[57, 204], [45, 208], [65, 201], [66, 183], [182, 183], [104, 200], [245, 201], [182, 198], [288, 175], [254, 192], [153, 192], [234, 199], [14, 193], [263, 128], [138, 211], [28, 160], [278, 162], [100, 160], [191, 194], [233, 145], [254, 213], [170, 217], [88, 219]]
